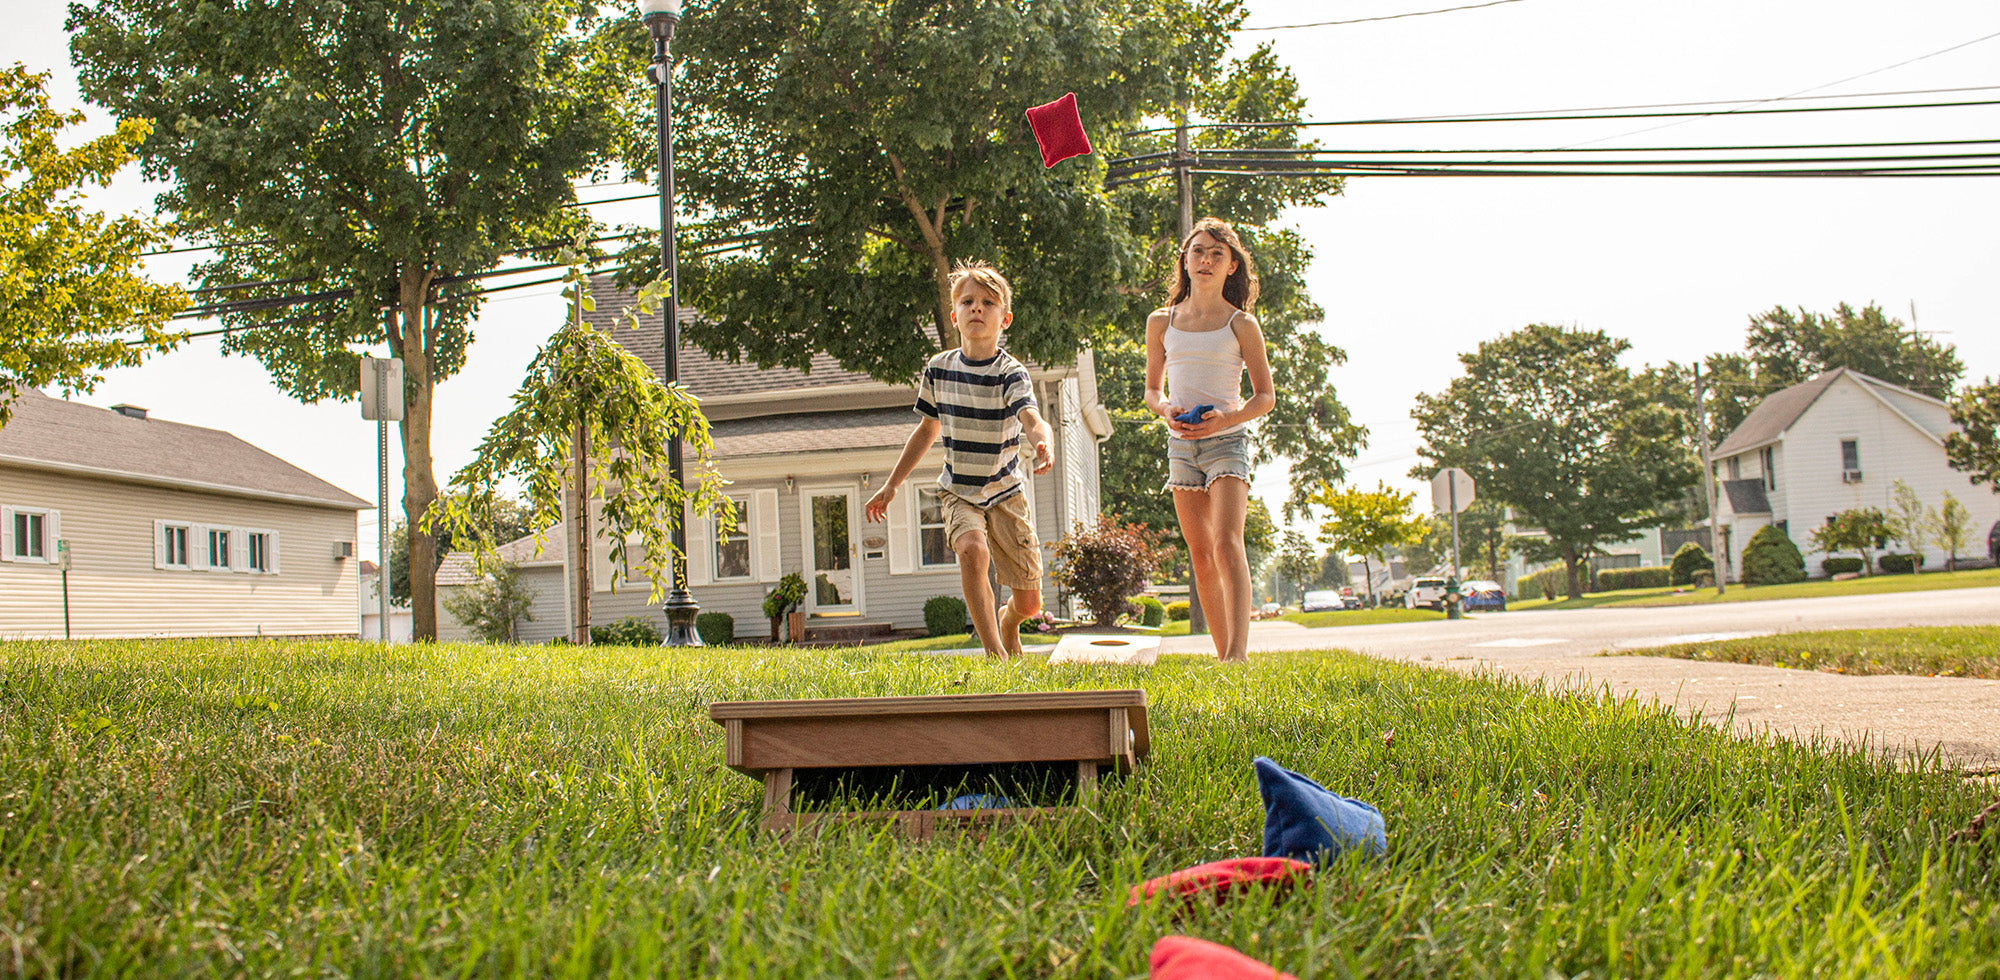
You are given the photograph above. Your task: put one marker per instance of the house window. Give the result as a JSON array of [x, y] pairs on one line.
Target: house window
[[1770, 462], [1850, 454], [732, 556], [31, 536], [174, 545], [1736, 467], [934, 548], [218, 548], [260, 550]]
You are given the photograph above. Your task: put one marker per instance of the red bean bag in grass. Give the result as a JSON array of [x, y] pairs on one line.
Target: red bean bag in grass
[[1058, 130], [1216, 881], [1187, 958]]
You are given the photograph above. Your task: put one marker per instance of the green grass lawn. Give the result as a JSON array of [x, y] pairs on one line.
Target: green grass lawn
[[955, 641], [1361, 617], [1871, 585], [1931, 651], [297, 808]]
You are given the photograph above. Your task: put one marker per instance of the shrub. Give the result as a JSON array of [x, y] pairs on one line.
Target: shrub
[[1179, 612], [1105, 563], [1772, 559], [1704, 579], [632, 631], [1896, 564], [1649, 577], [490, 606], [1841, 566], [785, 596], [1152, 612], [944, 615], [1689, 559], [1547, 583], [716, 628]]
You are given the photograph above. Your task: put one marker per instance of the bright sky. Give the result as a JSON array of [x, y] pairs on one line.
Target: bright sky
[[1412, 271]]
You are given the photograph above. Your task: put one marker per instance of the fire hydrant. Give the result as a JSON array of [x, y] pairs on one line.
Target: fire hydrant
[[1451, 599]]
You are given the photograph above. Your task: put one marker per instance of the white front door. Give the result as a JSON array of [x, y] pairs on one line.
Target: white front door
[[833, 582]]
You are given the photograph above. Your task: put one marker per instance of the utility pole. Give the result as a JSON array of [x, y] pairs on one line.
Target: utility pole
[[1197, 620], [1716, 555]]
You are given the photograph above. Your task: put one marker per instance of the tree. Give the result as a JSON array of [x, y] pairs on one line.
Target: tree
[[71, 294], [492, 606], [1974, 447], [511, 520], [1332, 572], [1952, 529], [1295, 562], [1363, 522], [372, 155], [1784, 348], [1547, 422], [1857, 529], [1910, 522]]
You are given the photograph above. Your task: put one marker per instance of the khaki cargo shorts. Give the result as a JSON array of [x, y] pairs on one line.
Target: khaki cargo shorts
[[1017, 555]]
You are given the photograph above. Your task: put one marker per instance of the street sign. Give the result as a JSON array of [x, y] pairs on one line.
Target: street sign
[[1451, 491], [382, 389], [62, 554]]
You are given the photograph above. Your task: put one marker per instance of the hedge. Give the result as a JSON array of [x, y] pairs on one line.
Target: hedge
[[1841, 566], [1152, 612], [632, 631], [1179, 611], [944, 615], [716, 628], [1689, 559], [1550, 581], [1772, 559], [1649, 577], [1894, 564]]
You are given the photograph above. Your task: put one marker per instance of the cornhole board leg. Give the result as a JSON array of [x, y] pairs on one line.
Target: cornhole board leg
[[777, 795], [1086, 781]]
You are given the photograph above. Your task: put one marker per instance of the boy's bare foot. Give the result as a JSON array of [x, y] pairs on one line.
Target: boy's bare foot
[[1010, 630]]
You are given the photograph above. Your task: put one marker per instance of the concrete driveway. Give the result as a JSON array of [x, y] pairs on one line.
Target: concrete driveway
[[1959, 717]]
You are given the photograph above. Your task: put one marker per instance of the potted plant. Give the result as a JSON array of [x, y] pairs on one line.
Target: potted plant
[[783, 601]]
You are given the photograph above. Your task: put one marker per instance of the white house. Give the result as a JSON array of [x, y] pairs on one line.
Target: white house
[[803, 452], [402, 622], [113, 524], [1837, 442]]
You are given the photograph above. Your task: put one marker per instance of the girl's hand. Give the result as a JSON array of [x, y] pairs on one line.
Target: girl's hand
[[1211, 423]]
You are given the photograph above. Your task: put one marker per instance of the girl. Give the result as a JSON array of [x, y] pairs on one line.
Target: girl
[[1199, 346]]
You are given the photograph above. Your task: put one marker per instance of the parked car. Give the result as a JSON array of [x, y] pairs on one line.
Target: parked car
[[1269, 610], [1348, 599], [1483, 594], [1320, 601], [1426, 592]]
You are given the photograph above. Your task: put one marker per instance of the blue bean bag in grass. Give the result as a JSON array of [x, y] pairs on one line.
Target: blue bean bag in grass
[[1307, 822]]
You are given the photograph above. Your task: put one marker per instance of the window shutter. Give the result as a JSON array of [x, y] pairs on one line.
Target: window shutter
[[902, 530], [764, 524], [239, 550], [700, 546], [271, 550], [6, 534], [198, 546], [160, 544]]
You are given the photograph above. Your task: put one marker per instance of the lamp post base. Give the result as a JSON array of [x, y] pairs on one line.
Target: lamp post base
[[681, 610]]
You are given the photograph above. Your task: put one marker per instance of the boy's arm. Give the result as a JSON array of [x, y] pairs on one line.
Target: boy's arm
[[919, 443], [1035, 429]]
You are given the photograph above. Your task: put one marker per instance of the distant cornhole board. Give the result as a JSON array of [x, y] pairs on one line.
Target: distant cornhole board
[[783, 742], [1106, 648]]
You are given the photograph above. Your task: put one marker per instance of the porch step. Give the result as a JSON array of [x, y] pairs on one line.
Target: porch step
[[849, 632]]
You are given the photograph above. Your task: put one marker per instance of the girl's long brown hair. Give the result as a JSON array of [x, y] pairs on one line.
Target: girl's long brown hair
[[1240, 289]]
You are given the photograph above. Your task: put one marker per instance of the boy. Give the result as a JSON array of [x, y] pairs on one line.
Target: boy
[[980, 398]]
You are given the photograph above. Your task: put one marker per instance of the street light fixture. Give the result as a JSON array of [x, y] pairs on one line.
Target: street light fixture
[[661, 16]]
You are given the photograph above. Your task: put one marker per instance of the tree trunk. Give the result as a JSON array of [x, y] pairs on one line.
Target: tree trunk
[[420, 488], [1367, 580], [578, 535], [1570, 562]]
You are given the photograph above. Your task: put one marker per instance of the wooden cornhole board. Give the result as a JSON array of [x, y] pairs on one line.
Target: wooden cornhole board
[[1096, 731], [1106, 648]]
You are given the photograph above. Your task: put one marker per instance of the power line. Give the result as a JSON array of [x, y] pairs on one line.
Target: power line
[[1365, 20]]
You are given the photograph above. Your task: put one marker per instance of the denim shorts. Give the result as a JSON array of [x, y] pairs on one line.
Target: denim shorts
[[1193, 464]]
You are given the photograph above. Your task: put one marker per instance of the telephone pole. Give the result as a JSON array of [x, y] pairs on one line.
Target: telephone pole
[[1197, 620], [1717, 557]]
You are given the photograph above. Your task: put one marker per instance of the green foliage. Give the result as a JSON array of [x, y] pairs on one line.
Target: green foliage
[[1363, 522], [1689, 559], [511, 519], [1855, 529], [629, 420], [1952, 529], [1152, 612], [381, 154], [1841, 566], [788, 593], [1771, 558], [1548, 422], [1974, 447], [1546, 584], [1179, 612], [632, 631], [1910, 521], [1785, 347], [1893, 563], [1649, 577], [493, 606], [71, 293], [1296, 562], [1923, 651], [716, 628], [944, 615], [1104, 563]]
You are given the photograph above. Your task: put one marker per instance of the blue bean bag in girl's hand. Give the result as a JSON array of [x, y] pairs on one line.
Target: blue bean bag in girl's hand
[[1305, 821], [1193, 415]]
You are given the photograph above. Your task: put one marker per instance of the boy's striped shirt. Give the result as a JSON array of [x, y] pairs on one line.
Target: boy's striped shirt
[[979, 405]]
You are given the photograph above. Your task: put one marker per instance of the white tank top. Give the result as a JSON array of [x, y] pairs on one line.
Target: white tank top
[[1205, 367]]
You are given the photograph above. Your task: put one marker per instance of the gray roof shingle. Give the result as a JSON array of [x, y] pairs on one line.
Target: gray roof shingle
[[768, 435], [705, 376], [58, 434], [1747, 496]]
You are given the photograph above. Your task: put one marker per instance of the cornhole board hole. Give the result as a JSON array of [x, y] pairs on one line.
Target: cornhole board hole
[[1106, 648], [784, 742]]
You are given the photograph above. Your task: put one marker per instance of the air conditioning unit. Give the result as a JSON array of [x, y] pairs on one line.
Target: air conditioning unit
[[343, 549], [1850, 476]]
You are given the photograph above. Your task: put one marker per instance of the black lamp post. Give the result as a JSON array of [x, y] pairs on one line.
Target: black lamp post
[[661, 16]]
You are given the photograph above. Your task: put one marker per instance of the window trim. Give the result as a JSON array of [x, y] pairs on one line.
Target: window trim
[[51, 524], [209, 549], [917, 527], [160, 529], [744, 533], [250, 535]]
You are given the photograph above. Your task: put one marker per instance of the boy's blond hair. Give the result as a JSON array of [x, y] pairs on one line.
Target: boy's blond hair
[[986, 277]]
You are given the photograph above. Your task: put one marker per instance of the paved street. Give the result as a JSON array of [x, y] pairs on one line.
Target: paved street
[[1960, 716]]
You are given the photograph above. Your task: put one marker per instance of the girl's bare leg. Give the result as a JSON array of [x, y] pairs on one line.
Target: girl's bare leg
[[1228, 507], [1197, 529]]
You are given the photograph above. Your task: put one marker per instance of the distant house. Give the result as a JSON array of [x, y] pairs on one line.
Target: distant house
[[170, 530], [402, 622], [803, 452], [1837, 442]]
